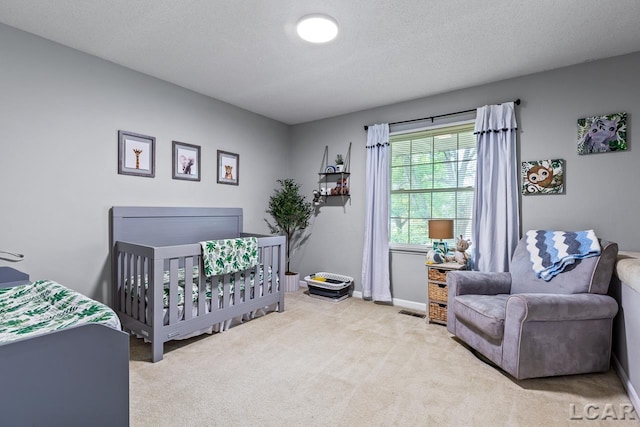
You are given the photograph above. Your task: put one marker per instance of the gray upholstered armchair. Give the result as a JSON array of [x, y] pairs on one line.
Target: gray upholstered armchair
[[531, 328]]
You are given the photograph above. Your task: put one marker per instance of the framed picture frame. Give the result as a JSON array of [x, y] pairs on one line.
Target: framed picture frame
[[606, 133], [136, 154], [228, 168], [543, 177], [186, 161]]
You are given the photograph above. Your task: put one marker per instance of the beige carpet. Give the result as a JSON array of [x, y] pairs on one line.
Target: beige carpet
[[352, 363]]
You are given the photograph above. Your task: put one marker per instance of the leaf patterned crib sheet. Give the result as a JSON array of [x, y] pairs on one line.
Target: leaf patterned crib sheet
[[45, 306], [194, 287]]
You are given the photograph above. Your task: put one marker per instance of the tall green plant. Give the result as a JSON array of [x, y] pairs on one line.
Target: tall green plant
[[290, 211]]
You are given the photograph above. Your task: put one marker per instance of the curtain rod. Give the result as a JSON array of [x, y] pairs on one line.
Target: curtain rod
[[366, 127]]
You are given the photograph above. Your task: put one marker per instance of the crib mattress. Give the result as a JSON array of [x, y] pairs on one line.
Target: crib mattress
[[45, 306]]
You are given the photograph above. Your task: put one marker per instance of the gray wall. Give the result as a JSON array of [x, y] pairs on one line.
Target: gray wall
[[601, 189], [60, 111]]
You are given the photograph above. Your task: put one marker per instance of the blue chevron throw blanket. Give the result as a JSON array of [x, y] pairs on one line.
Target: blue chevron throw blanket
[[552, 251]]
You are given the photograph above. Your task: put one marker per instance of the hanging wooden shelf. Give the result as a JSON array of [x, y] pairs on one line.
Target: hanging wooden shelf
[[328, 175]]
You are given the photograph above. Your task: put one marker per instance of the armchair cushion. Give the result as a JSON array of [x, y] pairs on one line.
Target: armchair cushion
[[590, 275], [482, 312]]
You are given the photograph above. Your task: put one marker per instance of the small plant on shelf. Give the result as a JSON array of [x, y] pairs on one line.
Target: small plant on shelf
[[339, 163]]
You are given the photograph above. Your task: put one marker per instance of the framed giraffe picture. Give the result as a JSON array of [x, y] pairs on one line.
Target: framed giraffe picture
[[136, 154]]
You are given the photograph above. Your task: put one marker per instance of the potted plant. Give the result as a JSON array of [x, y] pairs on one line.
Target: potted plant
[[291, 213], [339, 163]]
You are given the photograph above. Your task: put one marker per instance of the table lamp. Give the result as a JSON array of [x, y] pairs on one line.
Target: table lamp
[[441, 229]]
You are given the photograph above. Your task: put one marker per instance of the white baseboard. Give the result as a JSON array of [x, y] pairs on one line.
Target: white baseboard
[[631, 392], [411, 305]]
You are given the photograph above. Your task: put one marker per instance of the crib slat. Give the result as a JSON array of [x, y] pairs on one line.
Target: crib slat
[[142, 301], [267, 278], [202, 291], [240, 282], [155, 294], [280, 274], [173, 291], [236, 288], [188, 288], [251, 293], [226, 291], [121, 283], [136, 287], [273, 283], [277, 268], [129, 284], [156, 311]]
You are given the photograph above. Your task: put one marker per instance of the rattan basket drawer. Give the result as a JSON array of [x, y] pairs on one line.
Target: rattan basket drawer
[[438, 291], [439, 275], [437, 312]]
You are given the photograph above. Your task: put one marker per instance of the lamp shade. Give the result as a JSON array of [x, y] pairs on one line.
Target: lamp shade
[[441, 228]]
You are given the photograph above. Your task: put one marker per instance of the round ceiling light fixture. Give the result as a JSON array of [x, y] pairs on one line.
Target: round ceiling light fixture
[[317, 28]]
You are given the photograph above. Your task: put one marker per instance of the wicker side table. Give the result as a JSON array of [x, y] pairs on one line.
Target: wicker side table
[[437, 290]]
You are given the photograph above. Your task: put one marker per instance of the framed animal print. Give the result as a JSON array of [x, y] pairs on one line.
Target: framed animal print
[[228, 168], [602, 134], [186, 161], [136, 154], [543, 177]]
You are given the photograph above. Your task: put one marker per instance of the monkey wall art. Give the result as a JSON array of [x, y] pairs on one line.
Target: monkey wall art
[[543, 177]]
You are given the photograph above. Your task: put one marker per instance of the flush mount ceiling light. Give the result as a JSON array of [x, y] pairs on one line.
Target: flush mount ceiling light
[[317, 28]]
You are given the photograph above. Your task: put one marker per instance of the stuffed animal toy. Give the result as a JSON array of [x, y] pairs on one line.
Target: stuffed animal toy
[[434, 256], [461, 256], [341, 188]]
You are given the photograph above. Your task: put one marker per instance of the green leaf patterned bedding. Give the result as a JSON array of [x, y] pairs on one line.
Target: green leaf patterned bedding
[[194, 288], [46, 306], [229, 255]]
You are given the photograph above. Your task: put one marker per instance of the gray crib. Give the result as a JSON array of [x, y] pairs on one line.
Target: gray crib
[[154, 252]]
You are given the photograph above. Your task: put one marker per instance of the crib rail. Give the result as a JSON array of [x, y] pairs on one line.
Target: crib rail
[[153, 288]]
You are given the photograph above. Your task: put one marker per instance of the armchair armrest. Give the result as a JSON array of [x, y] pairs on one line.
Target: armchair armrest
[[559, 307], [557, 334], [473, 283], [477, 283]]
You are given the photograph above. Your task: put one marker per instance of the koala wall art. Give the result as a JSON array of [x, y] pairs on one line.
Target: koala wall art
[[602, 134]]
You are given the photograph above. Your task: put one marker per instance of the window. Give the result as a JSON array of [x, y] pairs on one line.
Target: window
[[432, 176]]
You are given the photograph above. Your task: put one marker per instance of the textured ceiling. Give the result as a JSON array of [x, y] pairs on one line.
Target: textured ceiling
[[245, 52]]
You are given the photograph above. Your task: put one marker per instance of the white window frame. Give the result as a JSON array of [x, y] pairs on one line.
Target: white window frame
[[403, 247]]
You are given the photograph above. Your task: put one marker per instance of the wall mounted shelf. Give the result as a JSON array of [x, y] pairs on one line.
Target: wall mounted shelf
[[332, 183]]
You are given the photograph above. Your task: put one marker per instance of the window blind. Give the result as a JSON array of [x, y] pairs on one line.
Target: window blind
[[432, 177]]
